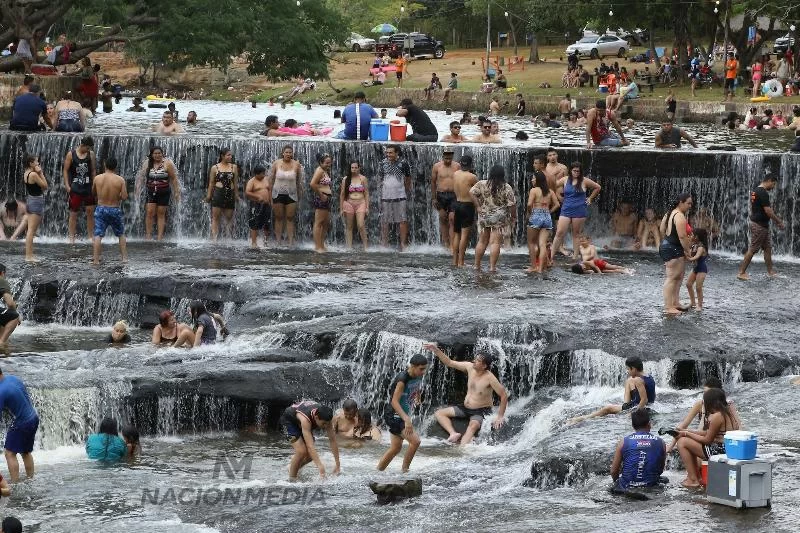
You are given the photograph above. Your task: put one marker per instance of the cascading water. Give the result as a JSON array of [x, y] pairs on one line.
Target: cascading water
[[719, 181], [79, 306]]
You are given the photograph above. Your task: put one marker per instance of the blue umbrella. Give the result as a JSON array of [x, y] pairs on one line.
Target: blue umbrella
[[384, 28]]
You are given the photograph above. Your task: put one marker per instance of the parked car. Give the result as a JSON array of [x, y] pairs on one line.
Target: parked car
[[783, 43], [424, 45], [596, 47], [358, 42]]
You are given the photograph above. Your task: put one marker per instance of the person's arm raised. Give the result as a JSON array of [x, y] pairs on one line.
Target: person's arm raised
[[463, 366]]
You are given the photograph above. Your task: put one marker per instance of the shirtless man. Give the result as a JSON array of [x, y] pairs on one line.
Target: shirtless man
[[463, 209], [494, 107], [623, 226], [478, 402], [455, 134], [346, 418], [554, 172], [443, 195], [565, 106], [485, 136], [591, 263], [259, 193], [649, 227], [13, 220], [168, 126], [110, 189]]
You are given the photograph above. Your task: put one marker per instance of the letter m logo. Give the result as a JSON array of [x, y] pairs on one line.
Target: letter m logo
[[232, 466]]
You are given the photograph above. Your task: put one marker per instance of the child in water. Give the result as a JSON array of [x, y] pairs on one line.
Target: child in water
[[119, 334], [590, 263], [699, 255]]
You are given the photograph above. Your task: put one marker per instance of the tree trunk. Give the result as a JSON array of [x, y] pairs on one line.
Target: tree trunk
[[653, 51], [534, 54], [513, 32]]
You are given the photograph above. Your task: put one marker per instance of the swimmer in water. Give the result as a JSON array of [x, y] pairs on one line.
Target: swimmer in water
[[119, 333], [168, 126], [345, 418], [404, 394], [299, 422], [364, 432], [478, 401], [639, 391]]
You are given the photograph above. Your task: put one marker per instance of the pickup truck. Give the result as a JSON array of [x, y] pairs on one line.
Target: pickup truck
[[424, 45]]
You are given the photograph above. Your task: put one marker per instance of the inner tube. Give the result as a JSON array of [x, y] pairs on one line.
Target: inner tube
[[722, 147], [158, 98], [762, 98], [773, 88], [158, 106]]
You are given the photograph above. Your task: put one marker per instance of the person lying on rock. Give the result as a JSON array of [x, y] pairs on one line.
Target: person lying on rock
[[478, 401], [299, 422]]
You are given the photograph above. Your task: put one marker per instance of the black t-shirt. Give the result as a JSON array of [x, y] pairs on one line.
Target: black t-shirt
[[759, 199], [672, 105], [420, 121], [521, 108], [5, 287], [125, 339]]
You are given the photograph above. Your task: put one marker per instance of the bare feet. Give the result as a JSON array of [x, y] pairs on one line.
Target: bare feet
[[32, 260], [575, 420], [455, 437], [689, 484], [743, 276], [684, 308], [772, 274], [698, 308], [673, 311]]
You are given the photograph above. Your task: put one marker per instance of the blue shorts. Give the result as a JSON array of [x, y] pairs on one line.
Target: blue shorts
[[701, 267], [610, 140], [108, 216], [19, 438], [540, 219]]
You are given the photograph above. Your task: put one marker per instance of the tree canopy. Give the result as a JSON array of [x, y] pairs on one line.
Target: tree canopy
[[279, 38]]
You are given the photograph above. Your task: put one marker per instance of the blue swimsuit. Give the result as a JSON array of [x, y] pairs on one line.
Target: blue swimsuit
[[700, 265], [574, 201]]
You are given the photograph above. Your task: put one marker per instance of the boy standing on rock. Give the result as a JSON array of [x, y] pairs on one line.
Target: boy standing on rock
[[405, 392]]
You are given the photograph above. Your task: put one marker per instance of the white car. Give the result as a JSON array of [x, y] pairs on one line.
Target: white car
[[597, 46], [357, 43]]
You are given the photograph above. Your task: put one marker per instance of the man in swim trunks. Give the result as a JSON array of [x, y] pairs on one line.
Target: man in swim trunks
[[565, 106], [110, 189], [168, 126], [259, 193], [443, 195], [9, 317], [463, 209], [640, 457], [639, 392], [22, 432], [760, 214], [299, 422], [554, 171], [623, 226], [404, 394], [346, 418], [478, 402], [80, 167]]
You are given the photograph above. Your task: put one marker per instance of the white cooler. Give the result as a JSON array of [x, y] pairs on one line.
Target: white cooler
[[738, 482]]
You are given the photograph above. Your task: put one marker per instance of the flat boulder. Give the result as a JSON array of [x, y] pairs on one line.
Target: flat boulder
[[394, 491]]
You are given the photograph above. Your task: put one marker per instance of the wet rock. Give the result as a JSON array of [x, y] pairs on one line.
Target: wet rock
[[560, 471], [459, 424], [394, 491]]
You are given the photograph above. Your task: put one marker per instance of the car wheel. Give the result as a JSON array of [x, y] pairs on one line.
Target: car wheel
[[621, 52], [356, 47], [438, 53], [594, 54]]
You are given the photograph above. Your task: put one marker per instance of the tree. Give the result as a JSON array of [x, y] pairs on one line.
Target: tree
[[280, 39]]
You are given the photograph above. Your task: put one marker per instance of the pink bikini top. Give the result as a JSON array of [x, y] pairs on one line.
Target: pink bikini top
[[325, 180], [356, 188]]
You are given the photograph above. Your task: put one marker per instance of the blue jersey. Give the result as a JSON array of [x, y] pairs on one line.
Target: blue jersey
[[642, 460], [412, 391], [650, 389], [357, 120], [14, 397]]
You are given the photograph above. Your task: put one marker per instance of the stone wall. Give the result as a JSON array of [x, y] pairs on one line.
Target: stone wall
[[650, 109], [52, 86]]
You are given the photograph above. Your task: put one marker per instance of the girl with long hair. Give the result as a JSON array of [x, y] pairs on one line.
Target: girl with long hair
[[497, 214], [354, 202]]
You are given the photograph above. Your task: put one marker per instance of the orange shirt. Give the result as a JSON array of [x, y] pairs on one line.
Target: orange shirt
[[400, 64], [730, 69]]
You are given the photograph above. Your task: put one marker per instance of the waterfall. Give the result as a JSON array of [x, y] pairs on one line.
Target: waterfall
[[719, 181], [95, 306]]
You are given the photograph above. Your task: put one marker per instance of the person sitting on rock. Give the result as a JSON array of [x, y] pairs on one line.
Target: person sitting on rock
[[623, 226], [299, 422], [639, 391], [640, 457], [478, 402]]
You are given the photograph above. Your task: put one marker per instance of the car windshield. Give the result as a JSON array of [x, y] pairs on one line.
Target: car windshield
[[356, 36], [588, 40]]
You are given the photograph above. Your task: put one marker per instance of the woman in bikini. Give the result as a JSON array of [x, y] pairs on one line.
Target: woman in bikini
[[223, 192], [354, 202], [168, 329], [321, 185], [695, 445], [541, 203], [285, 179]]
